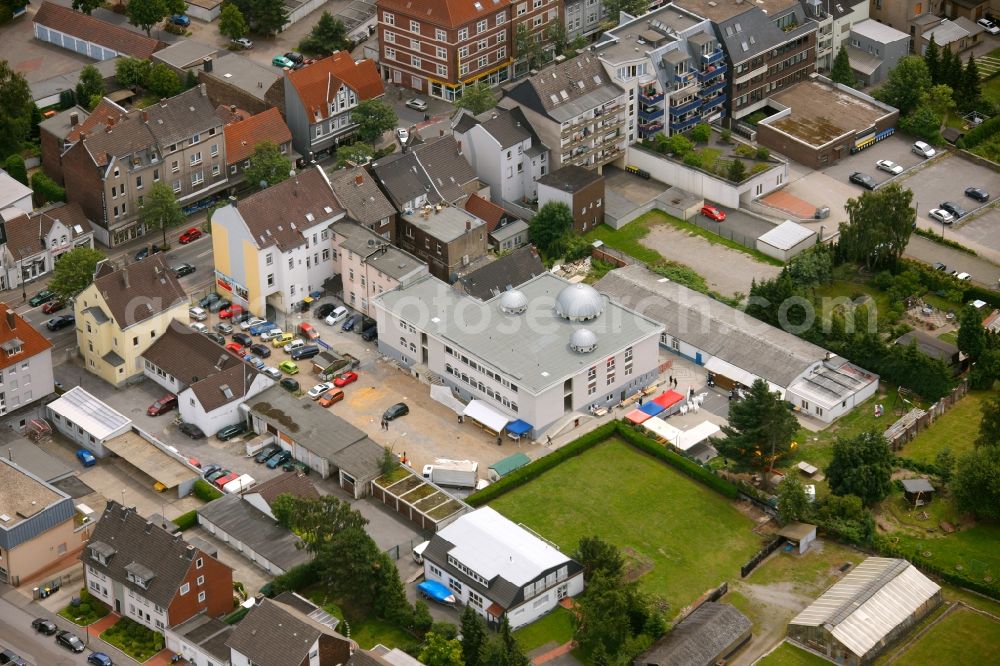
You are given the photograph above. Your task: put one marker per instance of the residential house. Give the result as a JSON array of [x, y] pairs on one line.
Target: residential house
[[13, 194], [584, 18], [320, 98], [445, 237], [576, 110], [960, 34], [942, 350], [288, 630], [60, 132], [36, 524], [970, 9], [89, 35], [501, 569], [145, 573], [506, 231], [210, 382], [581, 190], [204, 10], [369, 265], [992, 322], [769, 45], [427, 174], [874, 49], [364, 202], [177, 141], [272, 248], [123, 312], [234, 80], [835, 22], [48, 92], [244, 134], [185, 56], [35, 242], [25, 363], [553, 377], [504, 151], [909, 16], [505, 273]]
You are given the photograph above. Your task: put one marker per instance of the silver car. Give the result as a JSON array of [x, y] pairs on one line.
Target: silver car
[[417, 103]]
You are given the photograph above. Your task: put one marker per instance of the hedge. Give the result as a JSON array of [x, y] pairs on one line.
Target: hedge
[[186, 520], [980, 133], [293, 580], [884, 547], [46, 190], [236, 615], [204, 491], [916, 465], [973, 292]]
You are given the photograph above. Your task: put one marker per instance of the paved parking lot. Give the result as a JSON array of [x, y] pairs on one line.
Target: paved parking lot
[[896, 148], [35, 60]]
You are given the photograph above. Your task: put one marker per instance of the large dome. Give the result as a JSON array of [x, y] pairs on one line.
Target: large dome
[[513, 301], [583, 340], [579, 302]]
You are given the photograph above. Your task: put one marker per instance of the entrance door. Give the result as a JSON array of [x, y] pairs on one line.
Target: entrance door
[[118, 606], [697, 358]]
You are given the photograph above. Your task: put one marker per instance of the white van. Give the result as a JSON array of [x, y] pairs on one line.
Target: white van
[[240, 484], [418, 552]]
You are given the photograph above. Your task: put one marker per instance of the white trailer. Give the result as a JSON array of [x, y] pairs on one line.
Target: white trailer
[[456, 473], [240, 484]]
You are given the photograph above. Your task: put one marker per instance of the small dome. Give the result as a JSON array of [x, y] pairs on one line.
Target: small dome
[[513, 301], [583, 340], [579, 302]]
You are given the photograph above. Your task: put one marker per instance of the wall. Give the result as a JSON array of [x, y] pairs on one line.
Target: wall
[[31, 557], [191, 409], [84, 185], [217, 585], [202, 14]]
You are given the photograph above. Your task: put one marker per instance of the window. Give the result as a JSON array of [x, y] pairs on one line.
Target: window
[[442, 70], [215, 169], [416, 62], [388, 18], [291, 263], [481, 26], [440, 35], [415, 27], [522, 8], [156, 175], [201, 580], [214, 149], [197, 137], [177, 186], [483, 62], [117, 172], [390, 37], [201, 596], [175, 166], [415, 44], [185, 588], [441, 53], [463, 34], [138, 182], [196, 158], [501, 18], [390, 54], [197, 178], [481, 45], [463, 52], [270, 279]]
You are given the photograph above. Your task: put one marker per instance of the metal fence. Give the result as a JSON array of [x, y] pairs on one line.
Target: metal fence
[[724, 231], [405, 548]]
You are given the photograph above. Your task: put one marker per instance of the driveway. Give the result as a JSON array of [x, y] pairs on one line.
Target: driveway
[[36, 60]]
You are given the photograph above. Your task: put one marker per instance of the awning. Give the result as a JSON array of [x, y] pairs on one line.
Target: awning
[[651, 408], [444, 395], [668, 399], [637, 416], [518, 427], [478, 410], [682, 439], [718, 366]]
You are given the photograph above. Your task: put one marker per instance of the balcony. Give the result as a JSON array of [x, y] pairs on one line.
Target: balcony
[[714, 103], [712, 71], [712, 58], [711, 89], [646, 131], [650, 115], [650, 96], [684, 77], [684, 125], [681, 109]]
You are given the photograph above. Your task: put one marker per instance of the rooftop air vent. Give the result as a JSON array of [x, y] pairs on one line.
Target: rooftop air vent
[[513, 302]]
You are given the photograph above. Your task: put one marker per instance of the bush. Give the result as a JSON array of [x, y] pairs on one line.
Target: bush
[[296, 578], [204, 491], [46, 189], [916, 466], [236, 615], [980, 133], [941, 240], [186, 521], [763, 153]]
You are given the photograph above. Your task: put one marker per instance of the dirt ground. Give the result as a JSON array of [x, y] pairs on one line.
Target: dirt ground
[[726, 271]]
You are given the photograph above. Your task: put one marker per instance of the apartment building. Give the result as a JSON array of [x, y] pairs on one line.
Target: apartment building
[[369, 265], [834, 21], [910, 16], [35, 242], [244, 134], [364, 202], [178, 141], [576, 110], [536, 16], [25, 362], [584, 18], [581, 190], [769, 45], [874, 50]]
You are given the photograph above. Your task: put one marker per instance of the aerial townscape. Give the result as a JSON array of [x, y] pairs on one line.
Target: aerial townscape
[[499, 332]]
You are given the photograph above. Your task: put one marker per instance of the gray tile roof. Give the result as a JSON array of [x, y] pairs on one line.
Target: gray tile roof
[[139, 290], [570, 178], [447, 170], [241, 72], [403, 179], [133, 541], [273, 634], [566, 90], [505, 273], [247, 524], [182, 116], [507, 126], [377, 251], [446, 224], [317, 429], [208, 633], [753, 32], [362, 460], [360, 196], [711, 632], [125, 137]]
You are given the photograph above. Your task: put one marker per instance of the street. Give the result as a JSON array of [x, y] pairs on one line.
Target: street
[[16, 633]]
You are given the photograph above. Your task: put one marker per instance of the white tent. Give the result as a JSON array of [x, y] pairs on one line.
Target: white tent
[[481, 412], [444, 395], [682, 439], [718, 366]]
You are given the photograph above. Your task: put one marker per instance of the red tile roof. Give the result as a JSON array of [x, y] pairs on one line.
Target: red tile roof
[[449, 13], [97, 118], [92, 29], [318, 83], [487, 211], [32, 342], [244, 135]]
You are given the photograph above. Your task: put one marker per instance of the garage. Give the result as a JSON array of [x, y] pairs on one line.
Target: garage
[[786, 240], [163, 467]]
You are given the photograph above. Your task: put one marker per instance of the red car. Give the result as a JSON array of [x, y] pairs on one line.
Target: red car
[[223, 480], [53, 306], [190, 235], [163, 405], [230, 312], [713, 213], [345, 379], [237, 349]]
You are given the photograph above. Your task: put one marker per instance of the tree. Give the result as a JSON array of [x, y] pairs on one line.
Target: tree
[[268, 18], [440, 651], [939, 99], [760, 427], [971, 334], [36, 120], [504, 651], [190, 80], [16, 169], [160, 209], [267, 165], [549, 228], [598, 557], [792, 501], [316, 521], [989, 427], [812, 268], [923, 123], [232, 23], [526, 49], [679, 145], [932, 59], [45, 189], [701, 133], [976, 486], [631, 7], [74, 271], [355, 153], [327, 37], [842, 72], [90, 85], [880, 226], [945, 462], [86, 6], [389, 462], [373, 118], [861, 466], [970, 90], [737, 171], [477, 98], [951, 68], [146, 13], [15, 110], [906, 82], [163, 81], [132, 72], [474, 637], [555, 34], [985, 371]]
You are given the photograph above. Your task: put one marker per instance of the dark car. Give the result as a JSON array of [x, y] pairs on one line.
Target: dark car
[[397, 410], [53, 306], [977, 193], [863, 179], [938, 266], [220, 304], [61, 322], [212, 468], [351, 322], [297, 58], [290, 385], [146, 251], [216, 337], [308, 351], [208, 300], [191, 430], [266, 453], [99, 659], [953, 208], [324, 310], [217, 474], [43, 626], [280, 459], [163, 405], [70, 641], [243, 339], [41, 297], [369, 333], [11, 657], [181, 270], [231, 431], [262, 351]]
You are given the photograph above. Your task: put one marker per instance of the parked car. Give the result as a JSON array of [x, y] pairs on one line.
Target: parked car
[[53, 306], [273, 373], [316, 391], [713, 213], [243, 339], [69, 641], [339, 313], [180, 270], [263, 351], [190, 236], [397, 410], [217, 473], [41, 297], [307, 331], [938, 266], [243, 42], [146, 251], [417, 104], [923, 149], [963, 276], [208, 300], [989, 26], [293, 345], [863, 179], [198, 327], [43, 626], [330, 397], [941, 215], [250, 323], [163, 405], [403, 135], [224, 328], [351, 322], [198, 314], [191, 430], [324, 310], [369, 333], [889, 167], [99, 659], [220, 304], [345, 379], [86, 457], [232, 312], [223, 480], [281, 340], [295, 57], [282, 61], [273, 334], [305, 352], [280, 459], [254, 361], [977, 193], [289, 384], [60, 322], [180, 19], [217, 338], [259, 327], [12, 658], [212, 468], [236, 348], [266, 453], [231, 431], [953, 208], [288, 367]]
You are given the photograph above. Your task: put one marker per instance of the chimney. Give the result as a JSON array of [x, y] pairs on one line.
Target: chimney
[[145, 116], [111, 121], [207, 65], [232, 108], [191, 551], [125, 278], [233, 201], [468, 225], [177, 536], [149, 526], [74, 119], [359, 179], [11, 320]]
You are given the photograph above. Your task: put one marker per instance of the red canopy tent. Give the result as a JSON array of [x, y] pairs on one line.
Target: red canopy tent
[[668, 399], [637, 416]]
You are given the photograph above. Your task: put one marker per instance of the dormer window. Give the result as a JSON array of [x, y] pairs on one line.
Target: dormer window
[[12, 347], [139, 574], [101, 552]]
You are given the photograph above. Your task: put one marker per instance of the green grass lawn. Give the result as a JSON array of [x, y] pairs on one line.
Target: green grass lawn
[[955, 429], [974, 549], [555, 627], [134, 639], [963, 637], [679, 537], [991, 89], [366, 629], [950, 336], [790, 655]]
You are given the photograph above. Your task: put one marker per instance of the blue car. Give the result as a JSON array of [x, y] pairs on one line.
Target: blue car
[[99, 659], [86, 457], [435, 591], [254, 361], [181, 20], [279, 459], [258, 329]]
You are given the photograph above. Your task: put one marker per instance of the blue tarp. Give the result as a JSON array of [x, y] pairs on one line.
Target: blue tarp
[[518, 427], [651, 408]]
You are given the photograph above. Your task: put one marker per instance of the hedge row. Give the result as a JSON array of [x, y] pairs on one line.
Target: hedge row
[[186, 520], [204, 491], [916, 466], [973, 292], [980, 133], [949, 574], [236, 615]]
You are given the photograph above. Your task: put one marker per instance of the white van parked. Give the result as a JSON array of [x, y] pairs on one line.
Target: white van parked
[[240, 484]]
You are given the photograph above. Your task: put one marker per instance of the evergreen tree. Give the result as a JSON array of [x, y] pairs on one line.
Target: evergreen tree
[[737, 171], [269, 17], [932, 58], [951, 68], [474, 637], [861, 466], [90, 85], [842, 72], [15, 110], [16, 169], [760, 428], [971, 88], [327, 37], [971, 334]]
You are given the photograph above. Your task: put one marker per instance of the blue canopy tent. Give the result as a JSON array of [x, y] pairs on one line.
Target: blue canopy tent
[[651, 408], [517, 429]]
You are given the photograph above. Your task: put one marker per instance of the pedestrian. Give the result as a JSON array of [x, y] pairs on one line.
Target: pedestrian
[[459, 418], [640, 400], [576, 423], [670, 382], [498, 440], [548, 439]]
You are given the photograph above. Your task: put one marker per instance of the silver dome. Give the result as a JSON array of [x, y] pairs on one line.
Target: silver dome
[[513, 301], [583, 340], [579, 302]]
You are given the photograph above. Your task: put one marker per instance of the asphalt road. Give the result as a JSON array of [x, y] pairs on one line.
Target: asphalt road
[[16, 634]]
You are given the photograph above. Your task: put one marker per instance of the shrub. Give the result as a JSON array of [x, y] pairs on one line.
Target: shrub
[[204, 491], [726, 135], [980, 133], [296, 578], [186, 520], [763, 153], [46, 189], [236, 615]]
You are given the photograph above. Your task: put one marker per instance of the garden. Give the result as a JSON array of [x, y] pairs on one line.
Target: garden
[[134, 639], [87, 611], [717, 155]]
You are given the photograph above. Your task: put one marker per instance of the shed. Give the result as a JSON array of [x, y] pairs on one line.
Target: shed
[[799, 534], [710, 634], [502, 468], [786, 240], [918, 491]]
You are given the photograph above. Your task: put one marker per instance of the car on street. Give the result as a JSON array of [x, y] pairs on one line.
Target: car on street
[[938, 266], [977, 193], [208, 300], [263, 351], [351, 322], [266, 453], [231, 431], [191, 430], [330, 397], [289, 385], [889, 167], [163, 405], [989, 26], [180, 270], [217, 338], [417, 104], [180, 19], [953, 208], [280, 459], [43, 626], [288, 367], [190, 236], [296, 58], [282, 61], [243, 42], [397, 410], [273, 373], [338, 314], [232, 312], [941, 215], [316, 391], [99, 659], [41, 298], [345, 379], [12, 658], [70, 641], [713, 213], [60, 322], [963, 276], [403, 135], [923, 149], [198, 327], [53, 306], [224, 328], [243, 338]]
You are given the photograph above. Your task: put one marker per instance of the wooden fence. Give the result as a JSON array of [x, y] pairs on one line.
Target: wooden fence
[[916, 420]]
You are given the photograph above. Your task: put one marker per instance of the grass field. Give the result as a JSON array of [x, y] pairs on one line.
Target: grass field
[[556, 627], [955, 429], [679, 537], [790, 655], [962, 637]]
